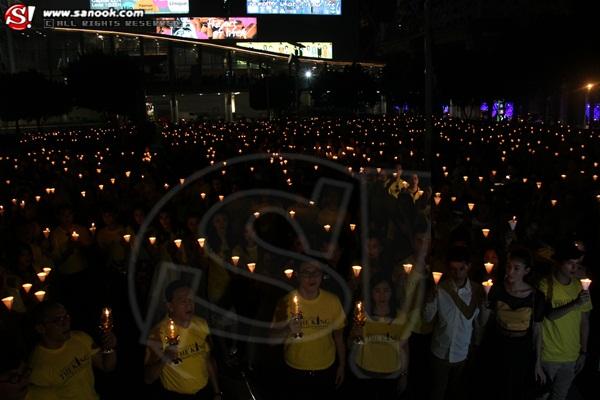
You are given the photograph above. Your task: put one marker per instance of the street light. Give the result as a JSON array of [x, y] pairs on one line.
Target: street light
[[308, 74]]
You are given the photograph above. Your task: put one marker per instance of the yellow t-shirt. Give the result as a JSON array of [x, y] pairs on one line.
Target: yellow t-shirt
[[64, 373], [190, 375], [561, 337], [59, 240], [383, 340], [315, 350]]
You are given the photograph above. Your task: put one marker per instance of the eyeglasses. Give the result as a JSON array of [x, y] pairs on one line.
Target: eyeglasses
[[17, 377], [59, 320]]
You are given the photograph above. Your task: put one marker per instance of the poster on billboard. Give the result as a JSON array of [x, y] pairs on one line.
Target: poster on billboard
[[301, 49], [205, 28], [149, 6], [301, 7]]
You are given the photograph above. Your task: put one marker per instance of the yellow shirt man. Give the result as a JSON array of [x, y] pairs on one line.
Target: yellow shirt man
[[315, 350], [561, 337], [64, 373], [189, 375]]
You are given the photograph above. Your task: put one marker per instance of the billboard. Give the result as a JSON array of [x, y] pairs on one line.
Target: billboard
[[306, 49], [302, 7], [210, 27], [149, 6]]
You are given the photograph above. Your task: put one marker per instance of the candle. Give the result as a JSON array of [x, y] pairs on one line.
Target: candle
[[47, 270], [235, 260], [152, 240], [40, 294], [437, 276], [256, 214], [437, 198], [38, 198], [221, 197], [289, 273], [26, 287], [42, 276], [485, 232], [8, 302], [106, 319], [127, 238], [201, 242], [83, 193], [352, 227], [101, 187], [251, 266], [177, 243], [93, 229], [74, 235], [127, 174], [327, 227], [489, 267], [513, 223], [539, 185], [356, 269], [487, 285], [453, 199], [407, 268], [181, 181], [296, 306], [172, 334], [585, 283], [203, 195], [471, 206], [292, 213], [46, 232], [553, 202]]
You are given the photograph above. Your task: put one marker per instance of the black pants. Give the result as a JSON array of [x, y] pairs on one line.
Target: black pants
[[514, 368], [303, 385]]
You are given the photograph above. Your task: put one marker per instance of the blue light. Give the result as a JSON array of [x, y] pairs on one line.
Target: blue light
[[484, 107], [510, 110], [596, 114]]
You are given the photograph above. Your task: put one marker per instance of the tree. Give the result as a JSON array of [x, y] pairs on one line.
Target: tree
[[349, 90], [111, 84]]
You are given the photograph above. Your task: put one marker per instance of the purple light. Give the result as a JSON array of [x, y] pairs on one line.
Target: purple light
[[596, 112], [510, 110], [484, 107], [495, 108], [587, 111], [445, 109]]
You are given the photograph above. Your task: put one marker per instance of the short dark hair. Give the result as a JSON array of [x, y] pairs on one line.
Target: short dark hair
[[523, 254], [174, 286], [567, 251], [458, 254], [40, 311]]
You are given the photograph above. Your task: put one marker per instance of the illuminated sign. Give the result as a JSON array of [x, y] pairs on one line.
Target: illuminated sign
[[302, 7], [149, 6], [306, 49], [210, 27]]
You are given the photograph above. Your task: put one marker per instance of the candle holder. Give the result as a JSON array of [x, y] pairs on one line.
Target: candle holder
[[360, 319], [297, 316], [106, 326], [172, 339]]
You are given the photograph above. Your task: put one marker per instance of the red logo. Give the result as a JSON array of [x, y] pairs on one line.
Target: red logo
[[19, 16]]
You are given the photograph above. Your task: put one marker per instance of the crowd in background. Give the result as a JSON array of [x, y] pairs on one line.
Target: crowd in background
[[140, 223]]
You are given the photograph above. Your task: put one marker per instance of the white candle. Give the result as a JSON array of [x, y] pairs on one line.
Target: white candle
[[251, 267], [485, 232], [489, 267], [152, 240], [407, 268], [8, 302], [437, 276], [487, 285], [235, 260], [585, 283], [26, 287], [201, 242], [327, 227], [177, 243], [127, 238], [42, 276], [40, 294], [289, 273], [352, 227], [356, 269]]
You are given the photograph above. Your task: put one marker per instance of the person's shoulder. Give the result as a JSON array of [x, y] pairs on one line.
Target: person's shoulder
[[328, 297], [81, 338], [199, 322]]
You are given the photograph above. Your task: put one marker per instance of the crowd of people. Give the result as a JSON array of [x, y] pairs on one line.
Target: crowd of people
[[300, 258]]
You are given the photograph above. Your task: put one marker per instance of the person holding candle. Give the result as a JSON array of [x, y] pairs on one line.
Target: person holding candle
[[381, 362], [178, 352], [67, 248], [516, 336], [312, 343], [62, 362], [566, 326], [458, 304]]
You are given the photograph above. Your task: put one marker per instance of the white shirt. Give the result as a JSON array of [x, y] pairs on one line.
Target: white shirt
[[452, 332]]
